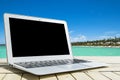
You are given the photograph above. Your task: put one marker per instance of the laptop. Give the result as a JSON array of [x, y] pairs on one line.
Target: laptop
[[41, 46]]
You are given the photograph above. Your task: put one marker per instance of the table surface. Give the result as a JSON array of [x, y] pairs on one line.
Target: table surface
[[110, 73]]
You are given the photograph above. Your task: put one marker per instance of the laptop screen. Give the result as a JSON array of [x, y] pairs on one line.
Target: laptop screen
[[37, 38]]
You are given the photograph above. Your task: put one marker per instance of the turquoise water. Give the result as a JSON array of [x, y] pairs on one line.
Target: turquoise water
[[2, 52], [95, 51], [82, 51]]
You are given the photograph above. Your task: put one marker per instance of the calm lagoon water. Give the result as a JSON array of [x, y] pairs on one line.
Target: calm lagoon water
[[95, 51], [82, 51], [2, 52]]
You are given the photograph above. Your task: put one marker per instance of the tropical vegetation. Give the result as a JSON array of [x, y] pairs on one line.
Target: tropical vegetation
[[104, 42]]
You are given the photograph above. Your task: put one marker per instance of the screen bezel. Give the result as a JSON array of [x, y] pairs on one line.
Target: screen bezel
[[12, 59]]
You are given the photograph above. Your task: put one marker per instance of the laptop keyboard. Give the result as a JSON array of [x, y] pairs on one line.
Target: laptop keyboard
[[35, 64]]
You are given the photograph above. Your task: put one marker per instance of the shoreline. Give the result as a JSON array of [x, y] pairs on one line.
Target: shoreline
[[98, 46], [91, 46]]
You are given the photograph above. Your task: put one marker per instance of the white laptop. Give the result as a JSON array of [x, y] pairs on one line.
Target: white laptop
[[41, 46]]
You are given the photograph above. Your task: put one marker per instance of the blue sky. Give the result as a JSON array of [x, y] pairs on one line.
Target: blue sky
[[87, 19]]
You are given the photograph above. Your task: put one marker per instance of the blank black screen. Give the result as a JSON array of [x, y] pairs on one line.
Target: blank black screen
[[37, 38]]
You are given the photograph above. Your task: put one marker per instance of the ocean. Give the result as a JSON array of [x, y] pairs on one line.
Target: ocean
[[2, 52], [82, 51], [95, 51]]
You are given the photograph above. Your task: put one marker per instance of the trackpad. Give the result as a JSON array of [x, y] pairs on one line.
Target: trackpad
[[95, 64], [74, 66]]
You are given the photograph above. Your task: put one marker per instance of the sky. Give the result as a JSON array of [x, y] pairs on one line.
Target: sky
[[86, 19]]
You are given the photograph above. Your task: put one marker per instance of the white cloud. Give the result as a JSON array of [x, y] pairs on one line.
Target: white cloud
[[110, 34], [70, 32], [118, 35], [105, 37], [78, 38]]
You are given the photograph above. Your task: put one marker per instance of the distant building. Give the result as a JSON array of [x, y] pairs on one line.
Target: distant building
[[107, 42], [118, 42]]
